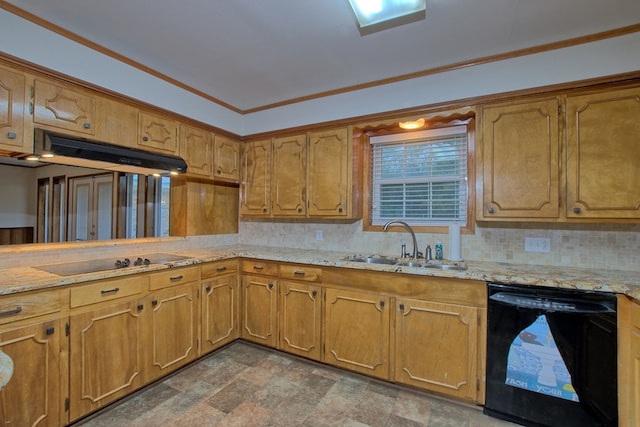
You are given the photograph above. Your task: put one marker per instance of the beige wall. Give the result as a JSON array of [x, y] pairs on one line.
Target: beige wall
[[587, 246]]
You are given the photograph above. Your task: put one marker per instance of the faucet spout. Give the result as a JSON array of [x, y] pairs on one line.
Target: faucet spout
[[409, 229]]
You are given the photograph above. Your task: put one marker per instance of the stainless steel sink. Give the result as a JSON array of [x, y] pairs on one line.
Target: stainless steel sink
[[372, 260], [410, 264], [446, 267], [401, 263]]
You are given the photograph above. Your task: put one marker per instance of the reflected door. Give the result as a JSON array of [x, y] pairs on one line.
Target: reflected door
[[91, 208]]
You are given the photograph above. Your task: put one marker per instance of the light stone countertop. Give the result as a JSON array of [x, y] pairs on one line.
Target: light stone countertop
[[22, 279]]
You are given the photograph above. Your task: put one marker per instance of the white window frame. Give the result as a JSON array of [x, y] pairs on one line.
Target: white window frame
[[423, 137]]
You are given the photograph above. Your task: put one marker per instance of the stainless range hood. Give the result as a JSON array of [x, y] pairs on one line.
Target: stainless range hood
[[57, 148]]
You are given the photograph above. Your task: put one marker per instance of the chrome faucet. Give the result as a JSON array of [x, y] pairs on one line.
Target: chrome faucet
[[409, 229]]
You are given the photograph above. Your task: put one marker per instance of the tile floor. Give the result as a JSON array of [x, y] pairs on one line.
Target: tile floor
[[245, 385]]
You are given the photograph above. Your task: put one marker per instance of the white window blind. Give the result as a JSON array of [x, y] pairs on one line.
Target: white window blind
[[420, 177]]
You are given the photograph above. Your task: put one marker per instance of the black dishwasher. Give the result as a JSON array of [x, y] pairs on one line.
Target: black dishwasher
[[551, 356]]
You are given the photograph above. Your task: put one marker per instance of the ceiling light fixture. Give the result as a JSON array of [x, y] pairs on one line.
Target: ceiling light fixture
[[377, 15], [412, 124]]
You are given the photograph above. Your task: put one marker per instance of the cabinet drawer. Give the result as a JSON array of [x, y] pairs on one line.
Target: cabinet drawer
[[108, 290], [305, 273], [173, 277], [260, 267], [25, 306], [218, 268]]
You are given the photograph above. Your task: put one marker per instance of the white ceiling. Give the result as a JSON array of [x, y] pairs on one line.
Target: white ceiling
[[250, 54]]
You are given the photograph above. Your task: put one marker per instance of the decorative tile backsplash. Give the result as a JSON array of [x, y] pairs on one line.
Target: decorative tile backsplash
[[589, 246]]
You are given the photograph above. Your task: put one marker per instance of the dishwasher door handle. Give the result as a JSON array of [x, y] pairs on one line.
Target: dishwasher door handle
[[552, 304]]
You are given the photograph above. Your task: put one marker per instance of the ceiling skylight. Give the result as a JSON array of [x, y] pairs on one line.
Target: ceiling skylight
[[378, 15]]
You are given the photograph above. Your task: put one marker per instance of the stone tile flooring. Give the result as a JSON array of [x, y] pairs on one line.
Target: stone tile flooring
[[245, 385]]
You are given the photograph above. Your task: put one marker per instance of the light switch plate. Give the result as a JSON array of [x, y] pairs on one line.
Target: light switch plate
[[319, 235], [537, 244]]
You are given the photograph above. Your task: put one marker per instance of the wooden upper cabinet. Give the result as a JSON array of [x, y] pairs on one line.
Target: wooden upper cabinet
[[519, 162], [62, 107], [226, 158], [12, 105], [157, 133], [116, 122], [288, 184], [329, 173], [196, 148], [603, 154], [255, 186]]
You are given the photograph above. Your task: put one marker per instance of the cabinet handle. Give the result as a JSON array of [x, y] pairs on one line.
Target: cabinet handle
[[401, 306], [340, 210], [264, 210], [314, 293], [50, 331], [491, 210], [258, 268], [576, 210], [299, 273], [221, 268], [140, 307], [12, 311], [219, 171], [145, 138], [270, 285], [381, 304], [176, 278], [109, 291], [87, 125], [154, 302], [208, 288], [11, 135], [299, 210]]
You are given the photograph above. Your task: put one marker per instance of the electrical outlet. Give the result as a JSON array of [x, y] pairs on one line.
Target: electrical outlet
[[319, 235], [537, 244]]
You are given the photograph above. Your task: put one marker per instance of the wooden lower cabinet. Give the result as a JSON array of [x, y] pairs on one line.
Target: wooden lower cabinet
[[34, 394], [436, 347], [356, 328], [259, 309], [219, 310], [171, 340], [628, 361], [106, 360], [300, 316]]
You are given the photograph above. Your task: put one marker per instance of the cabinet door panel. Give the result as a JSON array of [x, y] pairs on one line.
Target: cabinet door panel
[[603, 154], [300, 319], [63, 108], [357, 331], [172, 330], [226, 157], [255, 197], [329, 173], [289, 176], [12, 104], [219, 312], [520, 161], [259, 308], [32, 396], [196, 148], [436, 347], [157, 133], [106, 358]]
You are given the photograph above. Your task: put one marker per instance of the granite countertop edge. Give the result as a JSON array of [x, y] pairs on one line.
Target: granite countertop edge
[[24, 279]]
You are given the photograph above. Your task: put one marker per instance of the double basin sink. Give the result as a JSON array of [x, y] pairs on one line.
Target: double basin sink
[[403, 262]]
